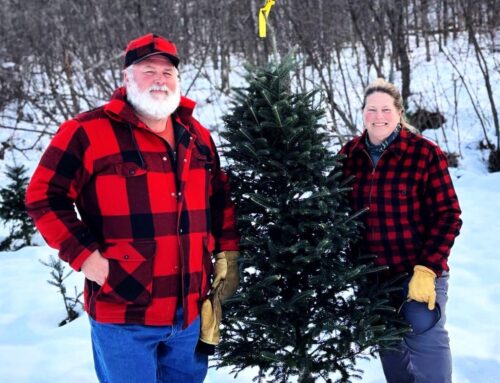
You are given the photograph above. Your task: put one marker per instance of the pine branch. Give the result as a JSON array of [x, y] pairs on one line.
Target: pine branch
[[58, 278]]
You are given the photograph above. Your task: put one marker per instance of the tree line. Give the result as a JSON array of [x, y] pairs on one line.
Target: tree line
[[58, 58]]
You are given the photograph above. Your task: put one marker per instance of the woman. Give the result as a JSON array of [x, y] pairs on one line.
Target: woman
[[411, 224]]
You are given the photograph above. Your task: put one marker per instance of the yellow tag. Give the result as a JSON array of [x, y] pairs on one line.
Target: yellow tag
[[263, 14]]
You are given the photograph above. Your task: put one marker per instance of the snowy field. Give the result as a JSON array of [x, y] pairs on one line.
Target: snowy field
[[33, 349]]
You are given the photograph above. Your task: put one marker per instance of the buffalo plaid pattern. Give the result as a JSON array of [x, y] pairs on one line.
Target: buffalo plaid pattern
[[157, 218], [413, 215], [147, 45]]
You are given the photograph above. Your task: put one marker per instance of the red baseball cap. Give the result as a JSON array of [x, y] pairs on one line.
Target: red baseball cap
[[149, 45]]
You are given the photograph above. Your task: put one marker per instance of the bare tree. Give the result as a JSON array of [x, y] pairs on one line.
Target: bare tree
[[71, 54], [467, 7]]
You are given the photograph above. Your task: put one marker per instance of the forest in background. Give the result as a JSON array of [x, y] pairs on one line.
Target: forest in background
[[59, 57]]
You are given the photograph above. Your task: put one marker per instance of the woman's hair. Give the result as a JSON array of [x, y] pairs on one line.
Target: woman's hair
[[380, 85]]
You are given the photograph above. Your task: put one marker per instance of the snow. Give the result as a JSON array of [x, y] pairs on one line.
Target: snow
[[33, 349]]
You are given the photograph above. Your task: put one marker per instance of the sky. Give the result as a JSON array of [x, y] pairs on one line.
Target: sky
[[33, 349]]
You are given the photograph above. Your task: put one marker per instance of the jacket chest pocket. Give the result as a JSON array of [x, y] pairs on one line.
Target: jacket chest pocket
[[399, 203], [128, 169], [123, 191], [109, 168], [401, 193], [130, 278]]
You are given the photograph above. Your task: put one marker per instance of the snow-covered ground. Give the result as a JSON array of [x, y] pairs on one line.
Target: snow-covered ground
[[33, 349]]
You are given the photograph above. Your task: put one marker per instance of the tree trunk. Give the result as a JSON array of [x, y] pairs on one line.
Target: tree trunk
[[415, 25], [426, 29]]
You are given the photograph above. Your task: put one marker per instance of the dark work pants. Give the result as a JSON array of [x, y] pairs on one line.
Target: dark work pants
[[424, 355]]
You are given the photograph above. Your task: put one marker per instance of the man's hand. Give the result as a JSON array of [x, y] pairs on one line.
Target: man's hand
[[422, 287], [226, 273], [96, 268]]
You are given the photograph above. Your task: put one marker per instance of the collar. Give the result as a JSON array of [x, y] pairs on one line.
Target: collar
[[398, 146], [372, 148]]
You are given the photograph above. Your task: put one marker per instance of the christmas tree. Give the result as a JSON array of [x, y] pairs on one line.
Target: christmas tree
[[13, 211], [304, 308]]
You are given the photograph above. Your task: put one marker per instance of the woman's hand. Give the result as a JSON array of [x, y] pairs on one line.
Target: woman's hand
[[422, 286]]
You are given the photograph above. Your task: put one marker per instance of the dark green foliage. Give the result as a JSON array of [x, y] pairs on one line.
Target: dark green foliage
[[13, 211], [299, 310], [58, 277]]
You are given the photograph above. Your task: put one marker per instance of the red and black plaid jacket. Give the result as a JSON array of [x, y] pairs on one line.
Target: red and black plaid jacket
[[156, 218], [413, 215]]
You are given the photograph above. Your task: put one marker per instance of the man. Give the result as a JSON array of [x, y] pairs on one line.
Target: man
[[153, 206]]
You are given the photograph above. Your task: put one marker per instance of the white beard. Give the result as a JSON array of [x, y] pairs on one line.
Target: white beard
[[146, 104]]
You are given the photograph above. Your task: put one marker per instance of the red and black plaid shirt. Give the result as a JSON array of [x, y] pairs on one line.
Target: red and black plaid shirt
[[413, 215], [156, 218]]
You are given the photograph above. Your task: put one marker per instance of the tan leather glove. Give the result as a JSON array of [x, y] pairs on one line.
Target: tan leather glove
[[226, 280], [226, 273], [422, 287], [211, 315]]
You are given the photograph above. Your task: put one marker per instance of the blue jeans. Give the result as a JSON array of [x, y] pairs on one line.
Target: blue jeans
[[129, 353], [424, 355]]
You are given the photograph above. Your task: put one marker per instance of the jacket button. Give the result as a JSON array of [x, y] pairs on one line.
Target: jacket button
[[185, 160], [164, 158], [131, 172], [125, 256]]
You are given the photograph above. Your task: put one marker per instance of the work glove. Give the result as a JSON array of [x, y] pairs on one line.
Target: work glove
[[422, 286], [211, 315], [226, 274], [226, 280]]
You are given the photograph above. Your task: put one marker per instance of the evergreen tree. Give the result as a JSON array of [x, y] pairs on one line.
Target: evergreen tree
[[13, 211], [304, 308], [73, 305]]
